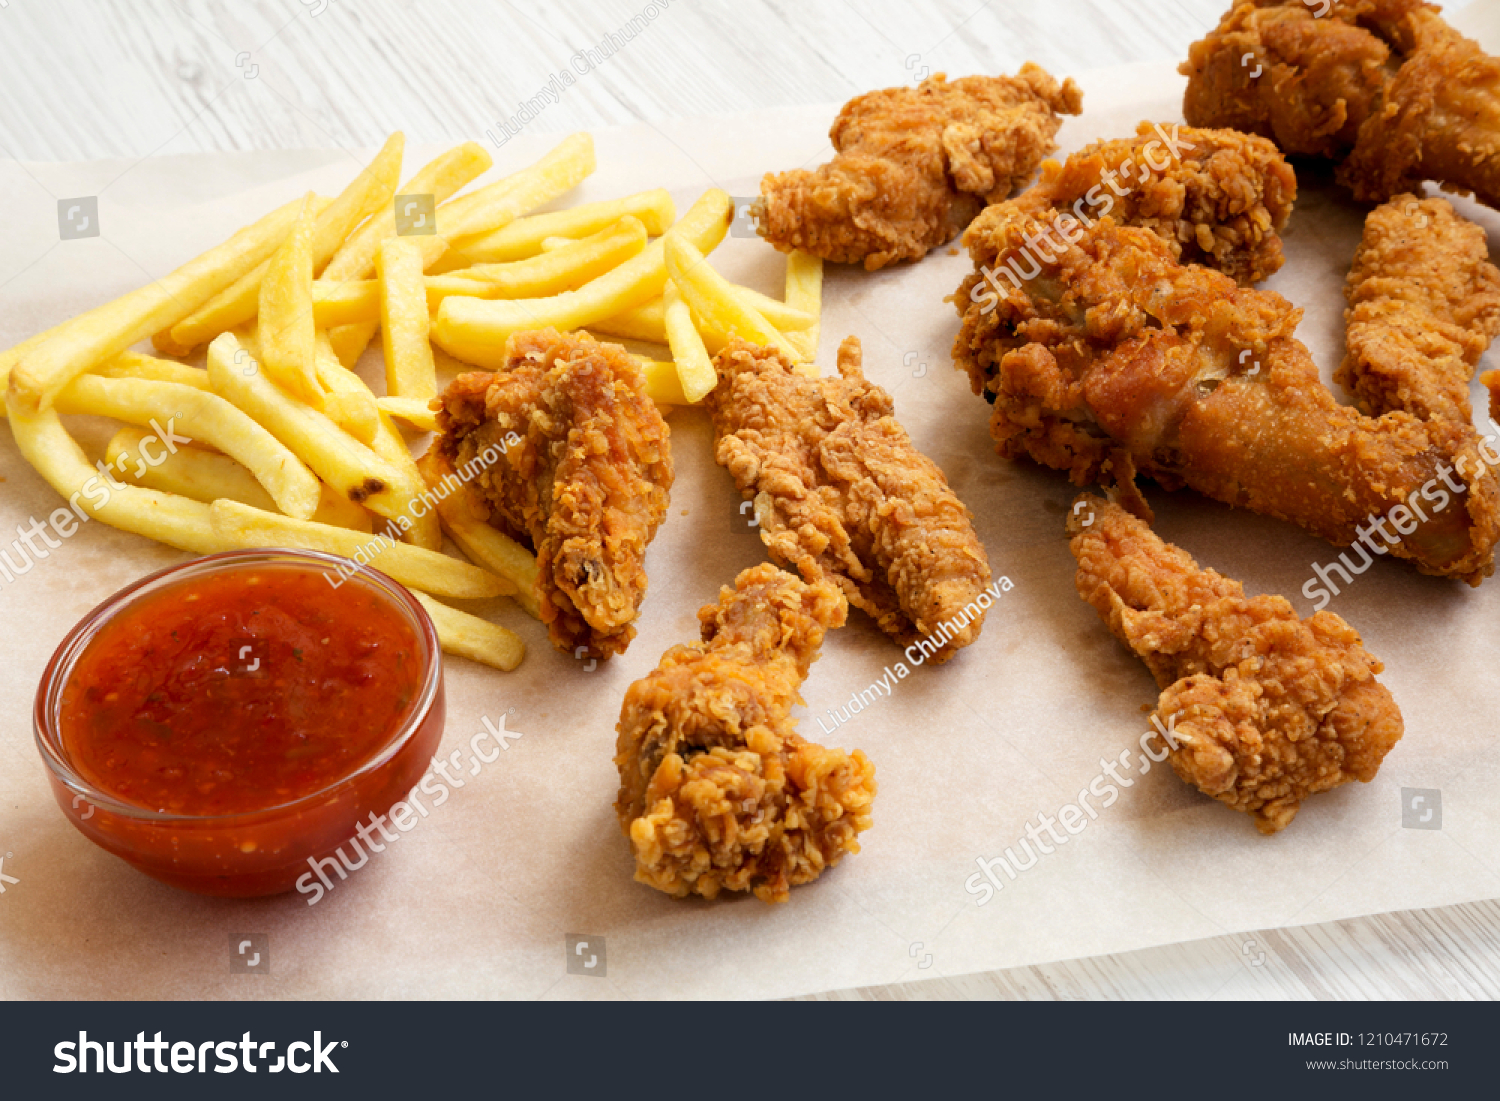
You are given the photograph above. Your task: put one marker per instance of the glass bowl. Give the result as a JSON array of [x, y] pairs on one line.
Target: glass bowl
[[260, 852]]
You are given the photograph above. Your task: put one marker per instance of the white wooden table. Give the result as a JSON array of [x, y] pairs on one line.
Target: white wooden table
[[85, 80]]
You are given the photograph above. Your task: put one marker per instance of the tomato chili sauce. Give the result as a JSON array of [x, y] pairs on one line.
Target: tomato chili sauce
[[221, 722]]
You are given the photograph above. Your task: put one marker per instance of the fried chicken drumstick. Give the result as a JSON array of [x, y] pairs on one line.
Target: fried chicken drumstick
[[1263, 709], [841, 492], [717, 790], [587, 485], [1387, 87], [1116, 358], [1218, 197], [1424, 304], [915, 165]]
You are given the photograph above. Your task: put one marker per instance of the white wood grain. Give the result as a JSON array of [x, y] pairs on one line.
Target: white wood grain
[[80, 81]]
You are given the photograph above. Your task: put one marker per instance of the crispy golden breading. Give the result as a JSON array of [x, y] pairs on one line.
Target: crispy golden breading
[[841, 492], [1218, 197], [1424, 304], [1265, 709], [1387, 87], [915, 165], [717, 791], [1114, 358], [587, 485]]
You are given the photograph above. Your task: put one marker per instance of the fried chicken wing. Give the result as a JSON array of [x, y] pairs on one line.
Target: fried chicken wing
[[1386, 87], [1424, 304], [841, 492], [1262, 709], [587, 484], [717, 790], [915, 165], [1112, 357], [1218, 197]]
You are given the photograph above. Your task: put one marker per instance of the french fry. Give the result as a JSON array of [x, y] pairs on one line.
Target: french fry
[[413, 411], [804, 291], [523, 238], [367, 193], [198, 415], [350, 341], [136, 365], [695, 371], [487, 546], [561, 170], [355, 259], [648, 322], [562, 269], [784, 317], [476, 329], [663, 385], [176, 521], [409, 372], [206, 476], [551, 244], [242, 526], [713, 298], [285, 321], [347, 400], [104, 332], [338, 458], [470, 637]]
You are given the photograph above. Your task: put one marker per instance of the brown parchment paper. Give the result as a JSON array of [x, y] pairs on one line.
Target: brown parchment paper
[[479, 899]]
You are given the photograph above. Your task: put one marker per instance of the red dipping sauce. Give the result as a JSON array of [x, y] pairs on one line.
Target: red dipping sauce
[[220, 722]]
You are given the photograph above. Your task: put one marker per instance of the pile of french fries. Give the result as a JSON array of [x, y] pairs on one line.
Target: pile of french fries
[[289, 445]]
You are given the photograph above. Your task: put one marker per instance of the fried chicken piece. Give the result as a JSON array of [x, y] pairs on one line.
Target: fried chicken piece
[[586, 487], [1113, 357], [841, 492], [1424, 304], [1262, 709], [1387, 87], [717, 790], [1218, 197], [1281, 72], [915, 165]]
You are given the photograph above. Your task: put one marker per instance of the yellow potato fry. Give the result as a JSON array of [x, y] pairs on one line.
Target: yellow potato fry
[[523, 237], [176, 521], [413, 411], [243, 526], [804, 291], [565, 268], [355, 259], [695, 370], [782, 316], [370, 191], [553, 243], [476, 329], [350, 341], [182, 414], [206, 476], [135, 365], [470, 637], [561, 170], [347, 400], [353, 469], [713, 298], [104, 332], [648, 322], [663, 385], [285, 321], [409, 372], [463, 518], [357, 301]]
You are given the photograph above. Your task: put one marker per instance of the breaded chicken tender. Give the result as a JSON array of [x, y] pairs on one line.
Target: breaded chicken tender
[[1218, 197], [717, 790], [1115, 358], [1424, 304], [1262, 709], [841, 492], [586, 487], [915, 165]]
